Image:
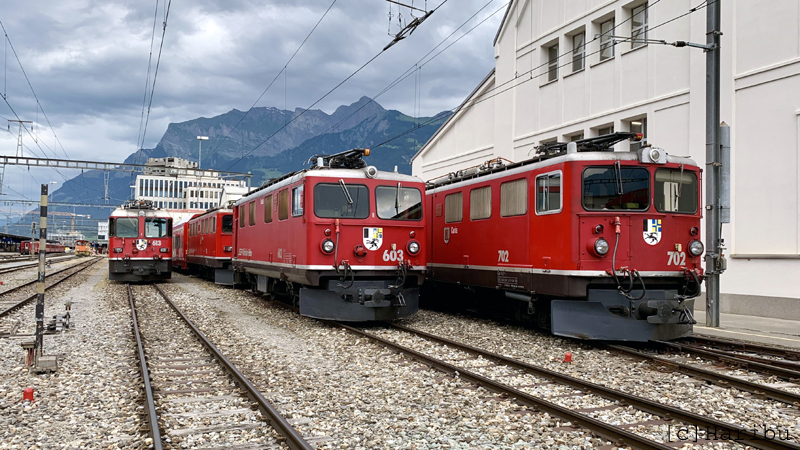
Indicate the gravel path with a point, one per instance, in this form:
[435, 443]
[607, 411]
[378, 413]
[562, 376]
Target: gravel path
[346, 392]
[93, 400]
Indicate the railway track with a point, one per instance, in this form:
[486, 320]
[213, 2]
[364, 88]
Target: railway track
[9, 304]
[545, 390]
[4, 270]
[194, 395]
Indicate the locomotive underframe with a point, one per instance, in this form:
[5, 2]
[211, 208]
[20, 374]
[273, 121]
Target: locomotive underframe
[367, 295]
[139, 270]
[586, 307]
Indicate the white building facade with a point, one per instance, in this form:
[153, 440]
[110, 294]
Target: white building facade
[168, 187]
[560, 75]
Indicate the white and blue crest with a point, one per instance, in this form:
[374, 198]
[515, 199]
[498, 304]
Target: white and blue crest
[652, 231]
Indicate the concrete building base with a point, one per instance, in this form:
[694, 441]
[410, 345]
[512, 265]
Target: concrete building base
[754, 305]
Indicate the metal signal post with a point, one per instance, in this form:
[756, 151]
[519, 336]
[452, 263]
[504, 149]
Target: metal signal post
[39, 347]
[714, 259]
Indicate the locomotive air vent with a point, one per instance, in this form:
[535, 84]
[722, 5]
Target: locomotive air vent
[371, 171]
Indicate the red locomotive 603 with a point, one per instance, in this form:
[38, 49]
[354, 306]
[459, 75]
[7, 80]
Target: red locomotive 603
[139, 243]
[587, 242]
[349, 239]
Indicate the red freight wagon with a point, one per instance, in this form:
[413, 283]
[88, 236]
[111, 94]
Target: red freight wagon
[347, 239]
[585, 241]
[139, 243]
[210, 245]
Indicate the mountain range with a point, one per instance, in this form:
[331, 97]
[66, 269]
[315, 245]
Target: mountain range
[268, 142]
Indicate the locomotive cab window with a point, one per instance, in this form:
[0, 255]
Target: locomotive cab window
[616, 188]
[227, 224]
[548, 193]
[398, 202]
[676, 191]
[453, 207]
[297, 201]
[341, 200]
[157, 227]
[480, 203]
[514, 198]
[126, 227]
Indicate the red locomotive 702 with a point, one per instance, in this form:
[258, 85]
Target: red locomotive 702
[587, 242]
[139, 243]
[349, 239]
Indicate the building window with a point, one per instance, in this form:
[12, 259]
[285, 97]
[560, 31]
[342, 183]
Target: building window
[552, 63]
[480, 203]
[514, 198]
[605, 130]
[639, 26]
[548, 193]
[639, 126]
[453, 207]
[578, 51]
[297, 201]
[576, 137]
[268, 209]
[606, 40]
[283, 204]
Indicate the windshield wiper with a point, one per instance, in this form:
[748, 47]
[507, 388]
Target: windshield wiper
[397, 200]
[346, 194]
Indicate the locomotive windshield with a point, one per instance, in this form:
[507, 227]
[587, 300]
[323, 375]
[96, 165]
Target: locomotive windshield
[125, 227]
[156, 227]
[676, 191]
[398, 202]
[227, 223]
[332, 201]
[616, 187]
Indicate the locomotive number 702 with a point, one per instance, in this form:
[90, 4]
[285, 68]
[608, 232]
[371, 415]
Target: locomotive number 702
[676, 258]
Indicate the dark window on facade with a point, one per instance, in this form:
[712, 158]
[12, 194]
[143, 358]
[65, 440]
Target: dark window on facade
[616, 187]
[398, 202]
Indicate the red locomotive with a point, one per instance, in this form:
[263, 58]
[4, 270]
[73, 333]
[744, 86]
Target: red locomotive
[345, 239]
[180, 246]
[25, 248]
[587, 242]
[139, 242]
[209, 250]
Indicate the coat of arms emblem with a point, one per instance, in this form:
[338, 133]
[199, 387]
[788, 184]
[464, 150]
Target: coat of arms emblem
[373, 238]
[652, 231]
[141, 244]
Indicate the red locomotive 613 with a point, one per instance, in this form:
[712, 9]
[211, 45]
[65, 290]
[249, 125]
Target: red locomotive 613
[349, 239]
[587, 242]
[139, 242]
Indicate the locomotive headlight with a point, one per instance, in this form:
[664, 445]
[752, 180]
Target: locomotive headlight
[328, 246]
[413, 247]
[117, 249]
[227, 248]
[696, 248]
[164, 250]
[601, 246]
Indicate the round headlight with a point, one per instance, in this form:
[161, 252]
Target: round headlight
[696, 248]
[328, 246]
[601, 246]
[413, 247]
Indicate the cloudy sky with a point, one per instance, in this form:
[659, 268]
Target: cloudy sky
[87, 61]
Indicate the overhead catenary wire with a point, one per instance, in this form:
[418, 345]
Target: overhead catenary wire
[283, 70]
[146, 85]
[494, 91]
[155, 74]
[411, 70]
